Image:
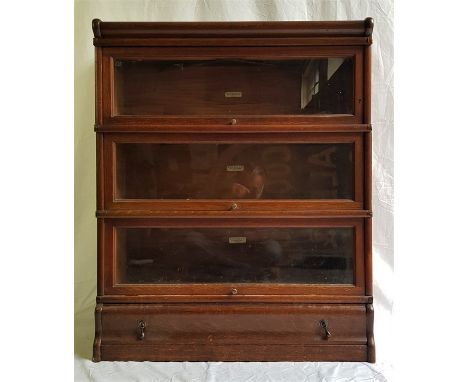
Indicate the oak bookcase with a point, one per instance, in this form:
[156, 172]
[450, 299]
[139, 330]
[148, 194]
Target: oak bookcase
[234, 191]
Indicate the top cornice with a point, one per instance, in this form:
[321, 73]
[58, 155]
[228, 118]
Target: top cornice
[109, 33]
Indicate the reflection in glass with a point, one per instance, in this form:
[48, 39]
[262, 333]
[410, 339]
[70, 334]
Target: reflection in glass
[240, 171]
[223, 255]
[234, 87]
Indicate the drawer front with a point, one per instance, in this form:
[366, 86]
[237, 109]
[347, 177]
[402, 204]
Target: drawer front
[222, 324]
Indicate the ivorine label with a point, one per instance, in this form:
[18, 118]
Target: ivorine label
[237, 240]
[233, 94]
[236, 167]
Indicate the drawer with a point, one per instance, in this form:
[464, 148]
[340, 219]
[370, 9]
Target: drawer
[226, 324]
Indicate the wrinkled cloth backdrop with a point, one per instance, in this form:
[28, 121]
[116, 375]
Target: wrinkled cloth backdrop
[85, 222]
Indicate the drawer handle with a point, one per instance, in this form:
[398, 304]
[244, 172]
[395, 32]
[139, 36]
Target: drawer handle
[233, 121]
[233, 207]
[326, 332]
[141, 329]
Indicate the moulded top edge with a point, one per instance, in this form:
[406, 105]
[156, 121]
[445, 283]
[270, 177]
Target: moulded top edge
[254, 29]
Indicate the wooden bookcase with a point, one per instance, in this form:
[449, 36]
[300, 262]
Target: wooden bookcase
[234, 191]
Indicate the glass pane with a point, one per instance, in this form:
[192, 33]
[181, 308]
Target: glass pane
[234, 87]
[225, 255]
[235, 171]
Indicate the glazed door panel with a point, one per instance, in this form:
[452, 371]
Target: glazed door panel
[171, 86]
[234, 87]
[252, 171]
[239, 171]
[250, 256]
[235, 255]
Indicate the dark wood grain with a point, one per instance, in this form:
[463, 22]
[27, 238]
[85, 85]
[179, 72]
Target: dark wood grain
[100, 166]
[228, 128]
[368, 255]
[214, 327]
[96, 24]
[101, 235]
[367, 179]
[368, 120]
[273, 321]
[242, 29]
[318, 211]
[370, 333]
[369, 26]
[233, 42]
[235, 353]
[218, 324]
[200, 123]
[98, 85]
[254, 299]
[97, 333]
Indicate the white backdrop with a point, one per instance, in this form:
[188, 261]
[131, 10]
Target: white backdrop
[85, 222]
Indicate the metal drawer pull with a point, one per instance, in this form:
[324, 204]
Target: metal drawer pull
[324, 325]
[233, 207]
[141, 329]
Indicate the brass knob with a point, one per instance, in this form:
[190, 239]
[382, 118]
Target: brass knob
[233, 121]
[326, 332]
[234, 206]
[233, 291]
[141, 329]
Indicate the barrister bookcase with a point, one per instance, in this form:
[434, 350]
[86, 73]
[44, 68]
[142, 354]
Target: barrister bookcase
[234, 191]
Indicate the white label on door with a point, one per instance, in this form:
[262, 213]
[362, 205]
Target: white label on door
[237, 240]
[236, 167]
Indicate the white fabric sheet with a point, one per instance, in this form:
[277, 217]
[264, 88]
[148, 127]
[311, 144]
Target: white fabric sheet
[85, 224]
